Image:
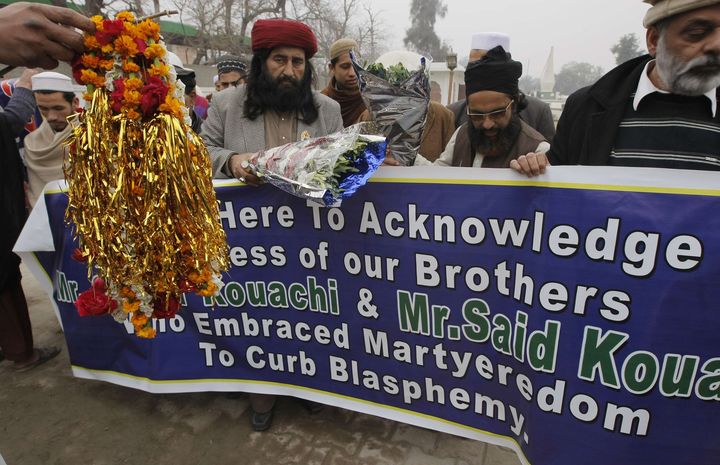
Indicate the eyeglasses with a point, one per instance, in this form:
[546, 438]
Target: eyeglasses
[493, 115]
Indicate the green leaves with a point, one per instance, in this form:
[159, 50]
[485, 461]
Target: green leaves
[394, 74]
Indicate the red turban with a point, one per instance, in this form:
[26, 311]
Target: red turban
[271, 33]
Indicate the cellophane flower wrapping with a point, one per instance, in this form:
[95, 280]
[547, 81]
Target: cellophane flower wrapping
[140, 193]
[399, 109]
[325, 169]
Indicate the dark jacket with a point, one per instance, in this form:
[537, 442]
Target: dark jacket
[12, 193]
[527, 141]
[537, 114]
[589, 122]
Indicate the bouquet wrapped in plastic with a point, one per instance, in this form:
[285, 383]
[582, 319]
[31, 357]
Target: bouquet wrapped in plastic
[398, 103]
[325, 169]
[140, 192]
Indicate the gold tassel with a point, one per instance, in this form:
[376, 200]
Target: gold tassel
[143, 206]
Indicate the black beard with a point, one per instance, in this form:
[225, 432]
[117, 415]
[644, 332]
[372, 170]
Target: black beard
[501, 145]
[282, 95]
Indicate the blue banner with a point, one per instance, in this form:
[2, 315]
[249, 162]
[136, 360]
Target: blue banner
[572, 321]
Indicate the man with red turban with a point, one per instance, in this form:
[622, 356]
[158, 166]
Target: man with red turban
[276, 106]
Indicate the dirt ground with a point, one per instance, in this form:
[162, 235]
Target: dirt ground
[48, 417]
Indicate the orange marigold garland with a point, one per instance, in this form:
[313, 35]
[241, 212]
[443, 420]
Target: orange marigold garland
[140, 181]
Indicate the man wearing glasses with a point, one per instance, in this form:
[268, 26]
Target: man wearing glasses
[494, 134]
[536, 113]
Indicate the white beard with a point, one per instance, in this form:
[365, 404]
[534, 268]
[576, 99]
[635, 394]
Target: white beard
[682, 77]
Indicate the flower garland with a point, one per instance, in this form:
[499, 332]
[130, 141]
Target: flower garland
[139, 181]
[127, 58]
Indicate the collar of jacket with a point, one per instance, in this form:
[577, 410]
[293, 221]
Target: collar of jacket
[619, 83]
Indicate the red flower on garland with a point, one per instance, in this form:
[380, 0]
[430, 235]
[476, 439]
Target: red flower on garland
[79, 256]
[186, 285]
[110, 31]
[165, 307]
[77, 67]
[95, 301]
[154, 93]
[141, 45]
[117, 95]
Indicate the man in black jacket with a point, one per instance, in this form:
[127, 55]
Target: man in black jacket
[658, 110]
[35, 35]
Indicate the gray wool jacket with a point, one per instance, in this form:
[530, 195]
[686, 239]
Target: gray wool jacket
[227, 131]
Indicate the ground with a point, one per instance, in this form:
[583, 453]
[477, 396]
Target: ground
[51, 418]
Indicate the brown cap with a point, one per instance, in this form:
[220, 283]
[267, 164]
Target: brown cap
[662, 9]
[343, 45]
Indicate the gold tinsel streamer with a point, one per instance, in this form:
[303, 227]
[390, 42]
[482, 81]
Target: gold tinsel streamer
[141, 200]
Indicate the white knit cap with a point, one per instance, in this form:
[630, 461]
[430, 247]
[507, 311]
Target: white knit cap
[490, 40]
[52, 81]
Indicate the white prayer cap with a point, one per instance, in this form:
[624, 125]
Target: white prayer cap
[490, 40]
[175, 60]
[50, 80]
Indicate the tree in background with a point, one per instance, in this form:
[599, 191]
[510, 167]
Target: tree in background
[223, 26]
[421, 36]
[529, 84]
[331, 20]
[574, 75]
[626, 48]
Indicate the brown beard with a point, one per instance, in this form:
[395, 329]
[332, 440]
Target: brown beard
[498, 147]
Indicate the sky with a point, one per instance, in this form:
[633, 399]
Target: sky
[579, 30]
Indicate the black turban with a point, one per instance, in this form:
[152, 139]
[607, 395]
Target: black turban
[495, 71]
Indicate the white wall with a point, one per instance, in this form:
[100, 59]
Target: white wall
[441, 74]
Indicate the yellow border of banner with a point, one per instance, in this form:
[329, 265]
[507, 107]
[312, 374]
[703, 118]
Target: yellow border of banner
[523, 183]
[557, 185]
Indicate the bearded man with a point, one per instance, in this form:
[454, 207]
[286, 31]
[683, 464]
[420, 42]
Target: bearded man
[495, 134]
[343, 86]
[275, 107]
[653, 111]
[534, 111]
[44, 147]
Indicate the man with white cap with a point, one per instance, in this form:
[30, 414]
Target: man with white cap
[533, 111]
[652, 111]
[44, 149]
